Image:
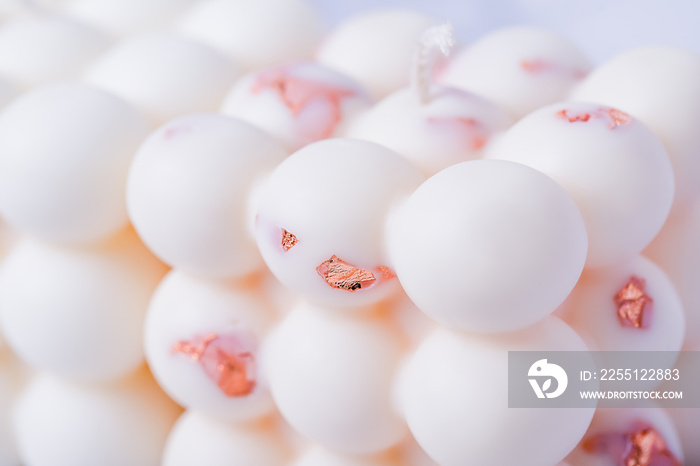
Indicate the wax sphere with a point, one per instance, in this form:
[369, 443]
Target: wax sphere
[661, 87]
[298, 103]
[630, 306]
[519, 68]
[616, 170]
[375, 48]
[60, 423]
[164, 75]
[686, 420]
[256, 33]
[455, 394]
[197, 217]
[202, 340]
[65, 151]
[677, 251]
[331, 376]
[487, 246]
[8, 91]
[320, 219]
[453, 126]
[200, 440]
[91, 305]
[121, 17]
[11, 384]
[37, 49]
[616, 434]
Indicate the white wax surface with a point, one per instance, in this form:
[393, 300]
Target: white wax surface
[65, 151]
[78, 312]
[164, 74]
[59, 423]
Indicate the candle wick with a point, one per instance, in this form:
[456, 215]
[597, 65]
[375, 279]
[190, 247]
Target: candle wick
[435, 41]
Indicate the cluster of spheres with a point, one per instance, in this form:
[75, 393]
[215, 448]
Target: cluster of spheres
[231, 236]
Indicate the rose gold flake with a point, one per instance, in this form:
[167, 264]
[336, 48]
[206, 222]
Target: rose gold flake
[339, 274]
[297, 92]
[572, 118]
[475, 129]
[288, 240]
[535, 66]
[616, 117]
[224, 359]
[538, 66]
[631, 302]
[641, 447]
[386, 272]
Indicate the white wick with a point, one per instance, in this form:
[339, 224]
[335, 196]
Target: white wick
[434, 41]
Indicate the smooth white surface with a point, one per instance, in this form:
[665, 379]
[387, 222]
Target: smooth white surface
[331, 376]
[661, 87]
[198, 440]
[452, 127]
[455, 394]
[375, 47]
[11, 384]
[59, 423]
[268, 99]
[316, 456]
[38, 49]
[78, 312]
[256, 33]
[591, 309]
[334, 196]
[620, 178]
[65, 151]
[164, 75]
[487, 246]
[189, 188]
[121, 17]
[677, 251]
[519, 68]
[627, 420]
[186, 309]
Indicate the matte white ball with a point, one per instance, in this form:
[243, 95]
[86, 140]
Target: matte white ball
[37, 49]
[59, 423]
[202, 344]
[121, 17]
[316, 456]
[78, 312]
[455, 394]
[615, 427]
[452, 127]
[616, 170]
[298, 103]
[256, 33]
[189, 189]
[164, 75]
[331, 377]
[487, 246]
[65, 151]
[376, 48]
[198, 440]
[519, 68]
[631, 306]
[321, 216]
[661, 87]
[677, 251]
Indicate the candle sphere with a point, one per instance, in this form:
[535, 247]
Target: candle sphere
[65, 151]
[487, 246]
[198, 216]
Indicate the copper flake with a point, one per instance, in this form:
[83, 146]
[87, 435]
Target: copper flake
[339, 274]
[288, 240]
[224, 360]
[631, 302]
[572, 118]
[642, 447]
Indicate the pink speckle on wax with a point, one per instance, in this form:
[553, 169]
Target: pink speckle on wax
[175, 130]
[226, 359]
[478, 134]
[614, 117]
[297, 92]
[536, 66]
